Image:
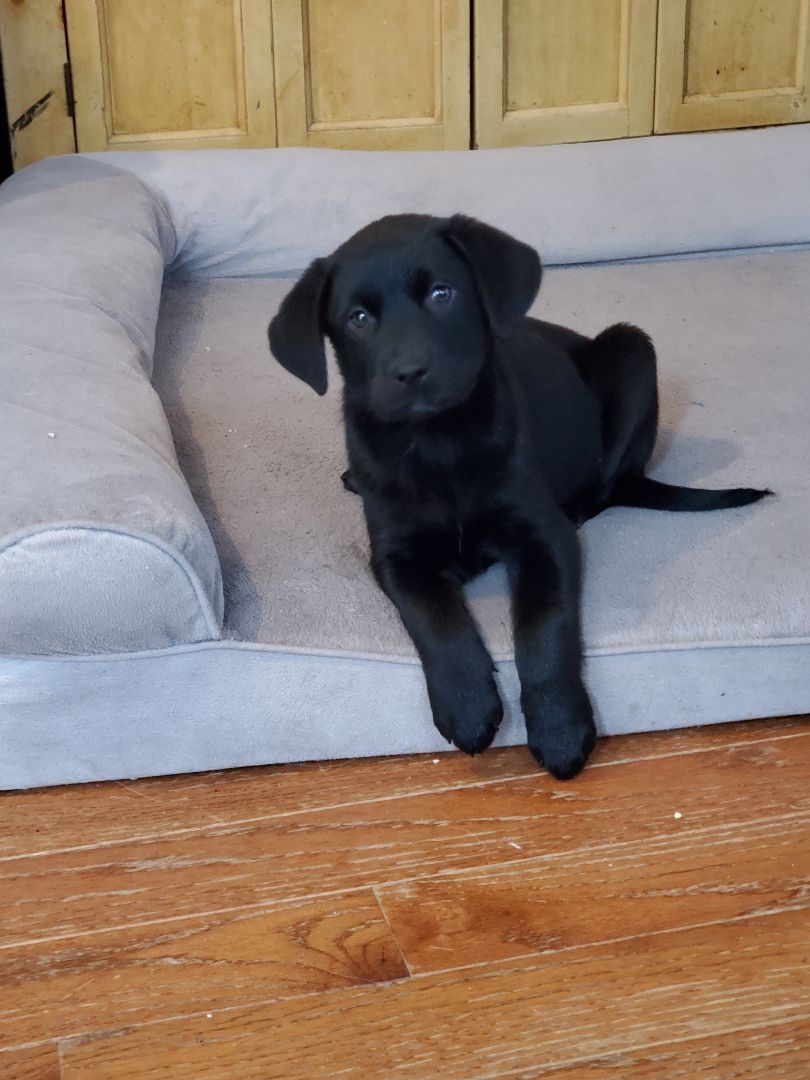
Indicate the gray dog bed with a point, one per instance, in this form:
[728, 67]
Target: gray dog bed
[166, 610]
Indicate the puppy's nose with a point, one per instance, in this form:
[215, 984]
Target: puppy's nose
[410, 374]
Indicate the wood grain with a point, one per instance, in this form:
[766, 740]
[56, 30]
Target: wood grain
[324, 852]
[778, 1051]
[138, 974]
[495, 1020]
[649, 887]
[53, 819]
[31, 1063]
[228, 925]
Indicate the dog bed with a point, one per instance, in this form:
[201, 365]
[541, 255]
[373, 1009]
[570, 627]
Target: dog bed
[183, 579]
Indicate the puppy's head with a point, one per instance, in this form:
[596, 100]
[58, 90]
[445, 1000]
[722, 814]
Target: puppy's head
[411, 305]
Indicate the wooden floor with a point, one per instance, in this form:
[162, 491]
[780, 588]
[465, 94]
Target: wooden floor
[422, 917]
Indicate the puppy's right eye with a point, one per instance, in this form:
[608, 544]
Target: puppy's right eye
[359, 318]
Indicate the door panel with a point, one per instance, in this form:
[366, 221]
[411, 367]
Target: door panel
[190, 73]
[372, 73]
[549, 71]
[731, 63]
[200, 89]
[350, 79]
[539, 74]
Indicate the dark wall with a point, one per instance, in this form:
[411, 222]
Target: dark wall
[5, 148]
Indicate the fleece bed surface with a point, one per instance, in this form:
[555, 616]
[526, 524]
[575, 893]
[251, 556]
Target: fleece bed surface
[263, 456]
[688, 619]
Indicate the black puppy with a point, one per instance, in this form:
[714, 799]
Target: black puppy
[475, 435]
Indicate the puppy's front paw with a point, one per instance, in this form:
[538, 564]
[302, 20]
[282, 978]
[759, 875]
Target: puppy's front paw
[467, 713]
[560, 726]
[348, 482]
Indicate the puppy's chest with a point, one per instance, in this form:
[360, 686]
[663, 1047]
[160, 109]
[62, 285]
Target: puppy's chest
[446, 479]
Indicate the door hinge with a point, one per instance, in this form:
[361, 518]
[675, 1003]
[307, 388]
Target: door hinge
[71, 101]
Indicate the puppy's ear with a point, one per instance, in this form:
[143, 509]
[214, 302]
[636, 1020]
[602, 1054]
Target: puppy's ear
[506, 271]
[296, 333]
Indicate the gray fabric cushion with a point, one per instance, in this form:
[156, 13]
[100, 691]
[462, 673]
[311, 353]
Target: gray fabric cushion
[263, 212]
[102, 547]
[216, 706]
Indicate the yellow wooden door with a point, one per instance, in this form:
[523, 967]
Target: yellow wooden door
[32, 39]
[732, 63]
[552, 71]
[373, 74]
[164, 74]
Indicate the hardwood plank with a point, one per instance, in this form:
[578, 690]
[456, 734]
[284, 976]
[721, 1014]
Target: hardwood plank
[495, 1020]
[324, 852]
[779, 1051]
[204, 964]
[52, 819]
[653, 886]
[31, 1063]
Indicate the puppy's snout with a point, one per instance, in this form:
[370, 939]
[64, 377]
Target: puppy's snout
[410, 374]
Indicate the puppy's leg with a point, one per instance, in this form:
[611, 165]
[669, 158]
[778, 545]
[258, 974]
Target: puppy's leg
[619, 366]
[543, 565]
[459, 672]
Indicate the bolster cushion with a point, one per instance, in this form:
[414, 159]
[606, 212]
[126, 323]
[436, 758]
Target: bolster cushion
[269, 212]
[102, 547]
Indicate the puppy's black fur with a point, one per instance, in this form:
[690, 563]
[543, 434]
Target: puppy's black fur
[474, 435]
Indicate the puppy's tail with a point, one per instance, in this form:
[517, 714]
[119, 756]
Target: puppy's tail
[642, 492]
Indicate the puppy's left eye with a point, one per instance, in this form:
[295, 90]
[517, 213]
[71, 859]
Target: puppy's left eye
[359, 318]
[440, 294]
